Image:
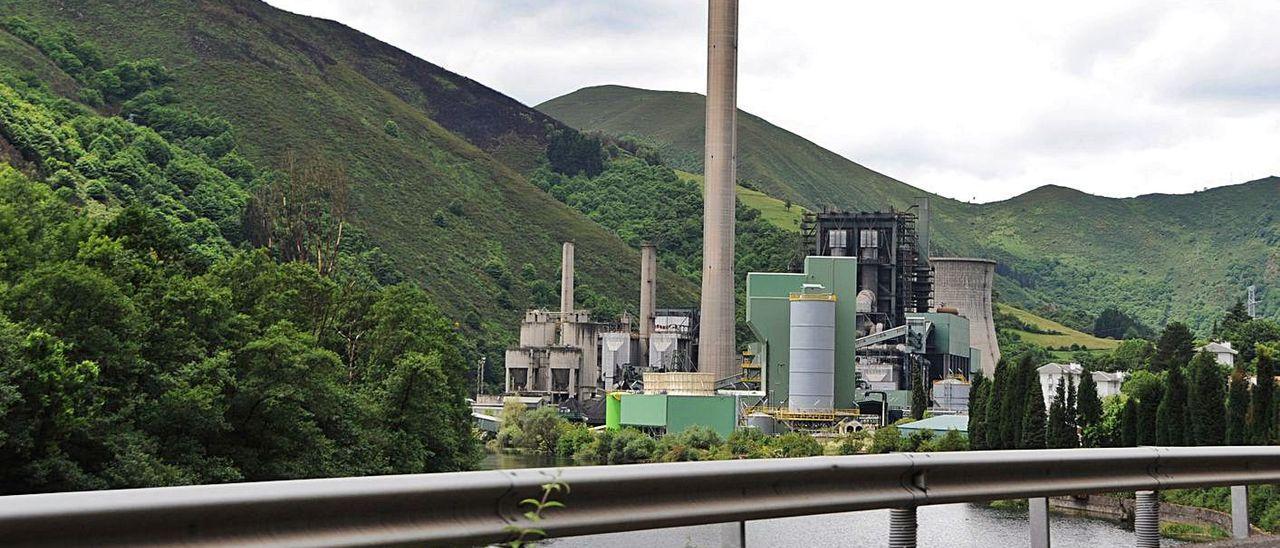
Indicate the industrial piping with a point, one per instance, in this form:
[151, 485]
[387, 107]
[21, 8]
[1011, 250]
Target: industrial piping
[717, 349]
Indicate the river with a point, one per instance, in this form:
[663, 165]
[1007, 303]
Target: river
[948, 525]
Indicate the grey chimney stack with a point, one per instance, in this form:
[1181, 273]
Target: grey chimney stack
[566, 278]
[648, 295]
[717, 350]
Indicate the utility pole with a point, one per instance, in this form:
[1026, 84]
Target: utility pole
[480, 376]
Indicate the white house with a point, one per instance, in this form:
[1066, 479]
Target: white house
[1221, 351]
[1051, 373]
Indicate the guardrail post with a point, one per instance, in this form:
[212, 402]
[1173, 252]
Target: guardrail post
[902, 527]
[1039, 516]
[734, 534]
[1146, 519]
[1239, 511]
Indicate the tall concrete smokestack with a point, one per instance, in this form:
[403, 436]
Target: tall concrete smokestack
[716, 347]
[566, 278]
[648, 294]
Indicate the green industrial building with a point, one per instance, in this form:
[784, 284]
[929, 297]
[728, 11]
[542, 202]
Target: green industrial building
[671, 412]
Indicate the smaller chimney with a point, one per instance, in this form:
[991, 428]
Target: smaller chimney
[566, 278]
[648, 294]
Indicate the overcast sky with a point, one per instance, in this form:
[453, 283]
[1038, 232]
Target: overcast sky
[974, 100]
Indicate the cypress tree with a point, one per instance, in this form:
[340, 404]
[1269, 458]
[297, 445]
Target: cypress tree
[1148, 407]
[1057, 417]
[919, 400]
[1175, 347]
[1088, 406]
[1262, 411]
[1032, 429]
[1171, 424]
[1206, 400]
[1237, 408]
[994, 407]
[1012, 404]
[977, 415]
[1024, 376]
[1071, 434]
[1129, 424]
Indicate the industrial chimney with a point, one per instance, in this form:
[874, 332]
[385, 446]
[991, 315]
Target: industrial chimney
[716, 347]
[566, 279]
[648, 294]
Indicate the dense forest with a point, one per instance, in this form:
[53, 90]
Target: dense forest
[171, 313]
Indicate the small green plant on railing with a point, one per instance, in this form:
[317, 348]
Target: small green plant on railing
[527, 536]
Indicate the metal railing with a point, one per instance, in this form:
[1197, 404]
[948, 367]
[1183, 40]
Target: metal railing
[473, 508]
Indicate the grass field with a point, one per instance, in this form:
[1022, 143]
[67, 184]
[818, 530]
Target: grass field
[1067, 335]
[771, 209]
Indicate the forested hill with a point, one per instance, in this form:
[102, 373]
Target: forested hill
[1064, 254]
[437, 162]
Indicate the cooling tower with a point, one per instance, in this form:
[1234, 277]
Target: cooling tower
[717, 351]
[966, 284]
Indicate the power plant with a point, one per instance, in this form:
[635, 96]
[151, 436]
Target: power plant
[837, 343]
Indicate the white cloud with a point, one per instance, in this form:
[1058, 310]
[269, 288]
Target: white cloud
[971, 100]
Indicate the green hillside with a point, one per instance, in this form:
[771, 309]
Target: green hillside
[437, 162]
[771, 209]
[1063, 254]
[1051, 334]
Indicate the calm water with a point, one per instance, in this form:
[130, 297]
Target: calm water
[950, 526]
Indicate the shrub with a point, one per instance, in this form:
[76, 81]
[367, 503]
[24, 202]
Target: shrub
[886, 440]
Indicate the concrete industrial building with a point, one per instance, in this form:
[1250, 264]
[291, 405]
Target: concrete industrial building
[966, 284]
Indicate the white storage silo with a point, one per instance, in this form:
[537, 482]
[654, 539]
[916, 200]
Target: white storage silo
[812, 366]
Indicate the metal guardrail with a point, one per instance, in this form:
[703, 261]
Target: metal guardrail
[472, 508]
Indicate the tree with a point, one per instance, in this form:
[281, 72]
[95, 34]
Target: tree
[1033, 417]
[1089, 407]
[993, 408]
[1249, 334]
[979, 393]
[1113, 323]
[1262, 408]
[1237, 408]
[1129, 424]
[1071, 434]
[1207, 396]
[1146, 389]
[1171, 425]
[1236, 316]
[919, 399]
[1057, 418]
[1133, 354]
[1175, 347]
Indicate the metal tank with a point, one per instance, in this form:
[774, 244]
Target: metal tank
[812, 368]
[965, 284]
[763, 422]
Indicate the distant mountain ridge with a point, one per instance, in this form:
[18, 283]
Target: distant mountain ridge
[1063, 253]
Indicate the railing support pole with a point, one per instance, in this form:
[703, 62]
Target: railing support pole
[902, 527]
[1146, 519]
[1039, 516]
[1239, 511]
[734, 534]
